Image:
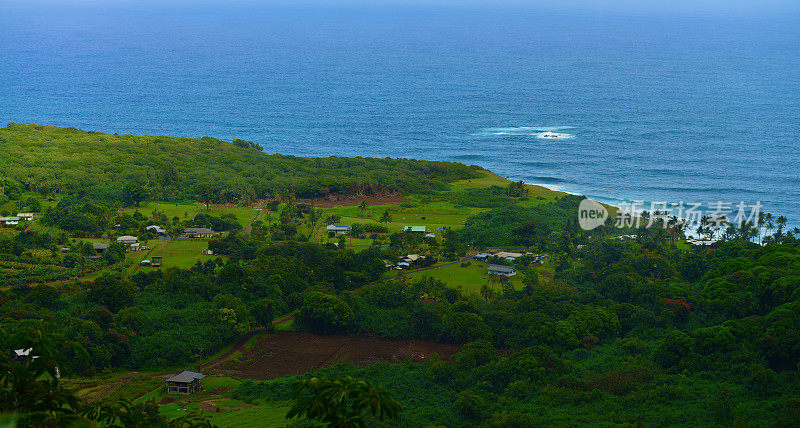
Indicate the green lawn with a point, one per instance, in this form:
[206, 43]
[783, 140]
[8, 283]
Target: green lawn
[431, 214]
[470, 278]
[187, 210]
[181, 253]
[262, 415]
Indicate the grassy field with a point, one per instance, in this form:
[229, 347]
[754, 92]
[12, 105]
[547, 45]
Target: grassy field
[263, 415]
[470, 278]
[187, 211]
[432, 214]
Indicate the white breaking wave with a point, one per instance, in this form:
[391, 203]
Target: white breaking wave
[543, 132]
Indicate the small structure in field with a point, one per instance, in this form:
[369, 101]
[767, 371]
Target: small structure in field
[198, 232]
[25, 216]
[9, 221]
[208, 252]
[415, 229]
[502, 270]
[156, 229]
[185, 382]
[156, 262]
[100, 247]
[127, 239]
[339, 230]
[508, 255]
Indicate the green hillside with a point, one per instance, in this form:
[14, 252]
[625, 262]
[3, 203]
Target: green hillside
[49, 159]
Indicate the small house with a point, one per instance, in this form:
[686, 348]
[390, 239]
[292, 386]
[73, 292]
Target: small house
[482, 256]
[25, 216]
[156, 229]
[145, 262]
[339, 230]
[415, 229]
[100, 247]
[127, 239]
[156, 261]
[208, 252]
[508, 255]
[502, 270]
[9, 221]
[185, 382]
[22, 354]
[198, 232]
[430, 235]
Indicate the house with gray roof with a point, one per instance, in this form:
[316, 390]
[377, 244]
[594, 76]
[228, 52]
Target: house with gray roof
[185, 382]
[100, 247]
[198, 232]
[339, 230]
[502, 270]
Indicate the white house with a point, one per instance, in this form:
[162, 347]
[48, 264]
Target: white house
[339, 230]
[415, 229]
[127, 239]
[502, 270]
[10, 221]
[156, 229]
[25, 216]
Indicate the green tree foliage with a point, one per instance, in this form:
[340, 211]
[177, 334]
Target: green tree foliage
[342, 402]
[204, 169]
[323, 313]
[261, 311]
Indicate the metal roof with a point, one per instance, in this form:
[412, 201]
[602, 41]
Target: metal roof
[184, 377]
[502, 268]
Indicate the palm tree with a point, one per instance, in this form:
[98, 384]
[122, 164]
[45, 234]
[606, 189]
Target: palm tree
[342, 402]
[768, 221]
[486, 292]
[781, 222]
[386, 218]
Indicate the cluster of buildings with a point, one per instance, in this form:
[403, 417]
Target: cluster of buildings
[344, 230]
[405, 262]
[14, 220]
[505, 270]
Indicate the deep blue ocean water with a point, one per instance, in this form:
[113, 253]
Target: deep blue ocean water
[658, 108]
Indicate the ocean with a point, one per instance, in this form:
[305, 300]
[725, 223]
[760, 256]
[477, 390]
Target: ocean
[642, 107]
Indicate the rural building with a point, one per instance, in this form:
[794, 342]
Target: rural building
[198, 232]
[339, 230]
[25, 216]
[185, 382]
[430, 235]
[413, 257]
[127, 239]
[415, 229]
[156, 262]
[482, 256]
[156, 229]
[208, 252]
[502, 270]
[22, 354]
[100, 247]
[508, 255]
[9, 221]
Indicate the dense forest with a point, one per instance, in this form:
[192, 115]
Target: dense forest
[132, 168]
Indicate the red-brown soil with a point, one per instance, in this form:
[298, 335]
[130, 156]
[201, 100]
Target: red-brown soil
[292, 353]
